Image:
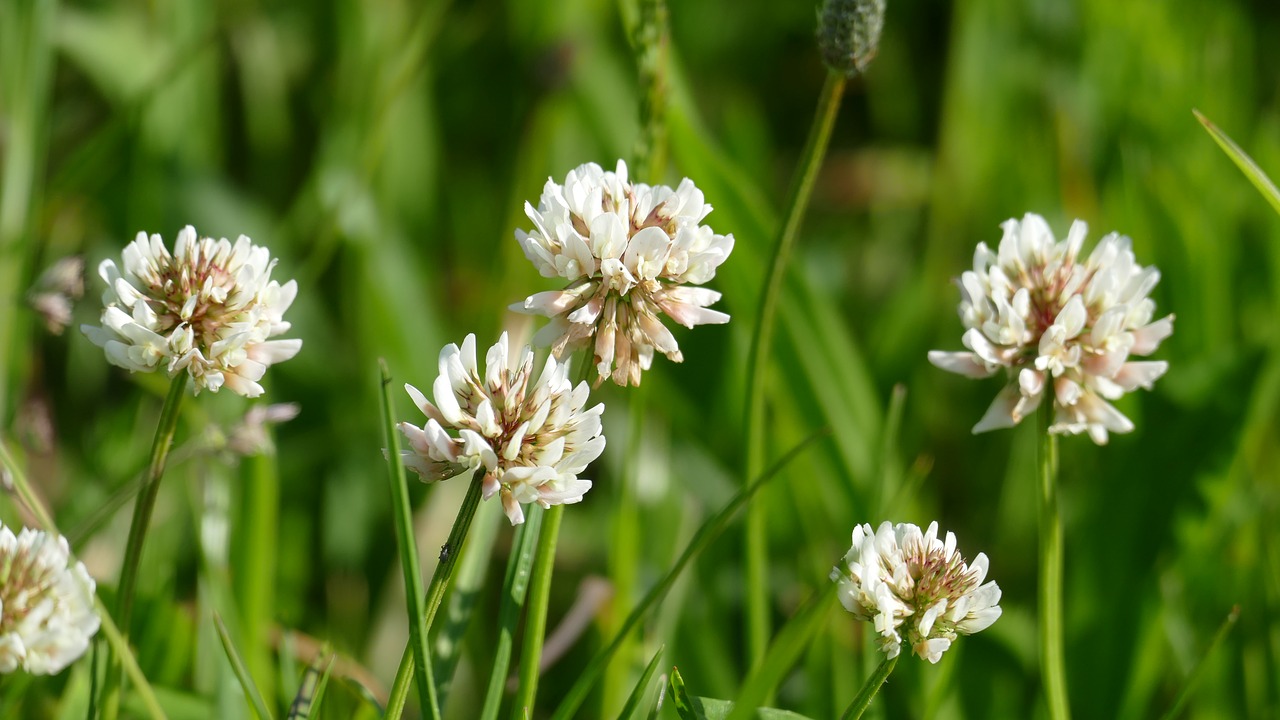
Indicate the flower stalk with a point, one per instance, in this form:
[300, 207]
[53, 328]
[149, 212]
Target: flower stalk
[797, 202]
[142, 510]
[434, 596]
[535, 621]
[1052, 667]
[869, 689]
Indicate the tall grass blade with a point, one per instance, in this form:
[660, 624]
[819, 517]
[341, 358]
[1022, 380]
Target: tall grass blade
[250, 688]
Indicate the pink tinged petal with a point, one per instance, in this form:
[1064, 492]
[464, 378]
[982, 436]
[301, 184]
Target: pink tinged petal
[590, 312]
[1107, 364]
[1000, 413]
[238, 385]
[488, 486]
[571, 493]
[1146, 339]
[660, 336]
[932, 649]
[691, 316]
[1108, 324]
[511, 508]
[962, 363]
[1066, 392]
[1136, 375]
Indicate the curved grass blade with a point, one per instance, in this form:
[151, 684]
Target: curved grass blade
[515, 585]
[1242, 161]
[783, 653]
[1190, 685]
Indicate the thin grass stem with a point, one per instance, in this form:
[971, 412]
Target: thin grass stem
[757, 562]
[515, 586]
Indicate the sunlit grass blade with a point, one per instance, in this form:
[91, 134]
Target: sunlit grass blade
[254, 570]
[792, 640]
[1242, 161]
[415, 600]
[1189, 686]
[250, 688]
[709, 531]
[638, 694]
[535, 618]
[515, 585]
[680, 696]
[869, 689]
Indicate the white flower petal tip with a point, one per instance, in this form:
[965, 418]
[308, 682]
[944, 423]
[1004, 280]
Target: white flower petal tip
[209, 309]
[631, 253]
[1050, 319]
[531, 434]
[915, 588]
[47, 614]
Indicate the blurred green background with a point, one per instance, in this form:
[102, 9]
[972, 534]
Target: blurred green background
[383, 150]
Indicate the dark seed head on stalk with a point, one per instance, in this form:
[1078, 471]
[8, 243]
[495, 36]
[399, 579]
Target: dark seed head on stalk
[849, 34]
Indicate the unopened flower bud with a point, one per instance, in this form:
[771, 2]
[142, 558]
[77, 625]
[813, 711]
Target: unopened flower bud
[849, 34]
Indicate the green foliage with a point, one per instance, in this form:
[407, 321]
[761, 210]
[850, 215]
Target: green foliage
[383, 151]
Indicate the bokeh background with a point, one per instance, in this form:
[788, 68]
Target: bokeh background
[383, 151]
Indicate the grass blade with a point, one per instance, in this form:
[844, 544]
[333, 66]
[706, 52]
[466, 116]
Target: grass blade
[790, 643]
[447, 643]
[242, 673]
[307, 701]
[709, 531]
[414, 597]
[637, 695]
[535, 620]
[1190, 685]
[515, 586]
[1242, 161]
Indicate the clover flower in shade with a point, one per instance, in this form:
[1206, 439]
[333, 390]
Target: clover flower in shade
[631, 253]
[46, 603]
[915, 588]
[1049, 320]
[210, 309]
[531, 435]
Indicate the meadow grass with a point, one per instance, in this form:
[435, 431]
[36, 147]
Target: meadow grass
[384, 150]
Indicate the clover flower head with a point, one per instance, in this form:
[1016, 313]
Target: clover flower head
[630, 252]
[209, 309]
[1049, 320]
[532, 436]
[915, 588]
[46, 603]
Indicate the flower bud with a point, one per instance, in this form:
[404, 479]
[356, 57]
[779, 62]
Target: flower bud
[849, 34]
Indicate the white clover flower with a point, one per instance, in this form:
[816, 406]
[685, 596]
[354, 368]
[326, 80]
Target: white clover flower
[46, 603]
[531, 438]
[916, 587]
[1033, 309]
[210, 309]
[630, 253]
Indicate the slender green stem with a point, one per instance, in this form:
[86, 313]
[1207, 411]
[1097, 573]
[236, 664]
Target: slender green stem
[435, 594]
[650, 42]
[757, 568]
[402, 510]
[108, 628]
[869, 689]
[535, 621]
[142, 510]
[709, 531]
[515, 585]
[255, 569]
[624, 548]
[1052, 667]
[1193, 680]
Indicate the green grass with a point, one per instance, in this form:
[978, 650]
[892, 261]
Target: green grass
[383, 151]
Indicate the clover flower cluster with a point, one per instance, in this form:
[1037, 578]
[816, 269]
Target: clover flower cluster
[630, 252]
[1034, 310]
[46, 603]
[209, 309]
[532, 436]
[915, 588]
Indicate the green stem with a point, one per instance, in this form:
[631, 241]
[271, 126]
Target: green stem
[117, 641]
[142, 510]
[709, 531]
[255, 588]
[1050, 624]
[515, 586]
[435, 594]
[650, 42]
[757, 563]
[535, 621]
[402, 510]
[869, 689]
